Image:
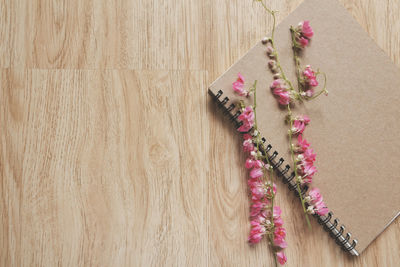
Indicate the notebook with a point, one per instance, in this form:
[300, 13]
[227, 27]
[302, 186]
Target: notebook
[354, 130]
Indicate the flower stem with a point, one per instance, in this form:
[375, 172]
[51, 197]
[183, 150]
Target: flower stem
[273, 17]
[278, 64]
[295, 167]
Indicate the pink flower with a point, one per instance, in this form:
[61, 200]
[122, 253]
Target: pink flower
[298, 127]
[247, 136]
[281, 257]
[257, 207]
[249, 163]
[309, 155]
[306, 29]
[247, 114]
[306, 165]
[306, 180]
[258, 164]
[303, 118]
[280, 232]
[284, 97]
[302, 144]
[280, 89]
[246, 126]
[277, 212]
[303, 41]
[256, 173]
[317, 205]
[308, 170]
[305, 161]
[320, 208]
[238, 86]
[280, 242]
[256, 233]
[278, 221]
[309, 92]
[310, 77]
[314, 195]
[255, 236]
[299, 124]
[259, 218]
[279, 83]
[247, 118]
[248, 145]
[257, 190]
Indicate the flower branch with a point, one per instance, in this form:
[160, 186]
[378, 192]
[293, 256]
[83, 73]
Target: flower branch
[283, 89]
[294, 160]
[265, 216]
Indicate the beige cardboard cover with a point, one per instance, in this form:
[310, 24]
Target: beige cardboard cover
[354, 130]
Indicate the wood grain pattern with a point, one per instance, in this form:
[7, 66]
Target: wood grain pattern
[111, 152]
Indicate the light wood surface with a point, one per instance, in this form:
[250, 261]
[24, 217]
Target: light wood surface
[111, 152]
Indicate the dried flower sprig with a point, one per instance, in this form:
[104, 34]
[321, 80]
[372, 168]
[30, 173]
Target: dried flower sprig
[265, 216]
[282, 88]
[307, 77]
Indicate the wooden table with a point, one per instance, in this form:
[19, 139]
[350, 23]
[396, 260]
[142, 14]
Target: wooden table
[111, 152]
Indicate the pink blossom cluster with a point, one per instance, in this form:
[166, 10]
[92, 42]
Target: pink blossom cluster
[309, 76]
[238, 86]
[316, 203]
[304, 33]
[262, 221]
[305, 165]
[299, 124]
[281, 90]
[247, 119]
[310, 81]
[306, 156]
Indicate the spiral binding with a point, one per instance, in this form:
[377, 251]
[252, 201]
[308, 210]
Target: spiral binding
[331, 226]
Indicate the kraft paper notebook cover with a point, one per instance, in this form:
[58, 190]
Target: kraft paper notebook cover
[354, 130]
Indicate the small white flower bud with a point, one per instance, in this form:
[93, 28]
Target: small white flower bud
[255, 133]
[265, 40]
[307, 199]
[277, 76]
[272, 63]
[310, 210]
[271, 168]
